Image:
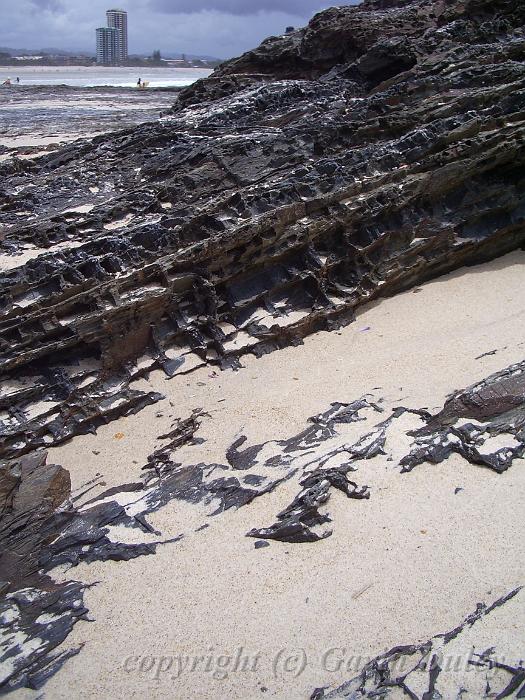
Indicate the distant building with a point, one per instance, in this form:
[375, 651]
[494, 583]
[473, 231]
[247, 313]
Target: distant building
[112, 41]
[174, 62]
[108, 45]
[118, 19]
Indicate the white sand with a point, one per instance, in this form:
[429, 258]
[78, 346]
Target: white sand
[38, 140]
[30, 252]
[407, 564]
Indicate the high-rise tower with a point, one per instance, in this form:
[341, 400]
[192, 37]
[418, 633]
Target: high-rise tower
[118, 19]
[108, 45]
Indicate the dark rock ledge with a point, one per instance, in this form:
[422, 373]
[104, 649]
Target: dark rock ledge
[378, 147]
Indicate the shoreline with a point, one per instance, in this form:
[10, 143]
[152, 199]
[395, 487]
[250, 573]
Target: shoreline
[80, 88]
[263, 401]
[101, 76]
[41, 118]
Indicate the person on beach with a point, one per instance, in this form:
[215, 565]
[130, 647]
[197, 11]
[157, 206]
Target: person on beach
[18, 80]
[139, 82]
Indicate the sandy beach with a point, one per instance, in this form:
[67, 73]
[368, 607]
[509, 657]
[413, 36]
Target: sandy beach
[56, 105]
[262, 376]
[409, 563]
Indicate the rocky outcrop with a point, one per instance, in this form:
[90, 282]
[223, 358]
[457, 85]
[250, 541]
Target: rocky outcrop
[378, 147]
[369, 44]
[485, 424]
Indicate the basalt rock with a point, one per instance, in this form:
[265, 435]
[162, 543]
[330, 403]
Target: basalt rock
[378, 147]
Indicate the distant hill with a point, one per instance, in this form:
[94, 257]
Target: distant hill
[43, 52]
[52, 51]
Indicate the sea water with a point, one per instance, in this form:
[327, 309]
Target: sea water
[95, 76]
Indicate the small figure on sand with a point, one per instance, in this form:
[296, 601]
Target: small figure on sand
[139, 82]
[18, 80]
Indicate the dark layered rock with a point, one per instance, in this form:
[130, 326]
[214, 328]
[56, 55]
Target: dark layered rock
[41, 528]
[472, 420]
[378, 147]
[370, 43]
[31, 492]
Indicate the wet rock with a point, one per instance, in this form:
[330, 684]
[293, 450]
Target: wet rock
[378, 147]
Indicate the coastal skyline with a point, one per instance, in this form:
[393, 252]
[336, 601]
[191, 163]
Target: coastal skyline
[221, 28]
[112, 40]
[262, 394]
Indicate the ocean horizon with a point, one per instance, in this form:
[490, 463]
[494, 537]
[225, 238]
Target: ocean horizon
[102, 76]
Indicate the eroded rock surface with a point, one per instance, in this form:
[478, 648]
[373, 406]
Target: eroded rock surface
[44, 526]
[378, 147]
[485, 424]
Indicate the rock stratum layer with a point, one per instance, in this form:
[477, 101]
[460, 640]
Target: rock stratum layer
[379, 147]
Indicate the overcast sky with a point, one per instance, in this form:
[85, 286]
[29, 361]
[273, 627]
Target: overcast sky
[221, 28]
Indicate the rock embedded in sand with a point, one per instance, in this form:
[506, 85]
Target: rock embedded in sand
[43, 526]
[378, 147]
[431, 670]
[485, 424]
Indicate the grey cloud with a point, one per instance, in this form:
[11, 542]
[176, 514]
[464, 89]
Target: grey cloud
[300, 8]
[222, 28]
[51, 5]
